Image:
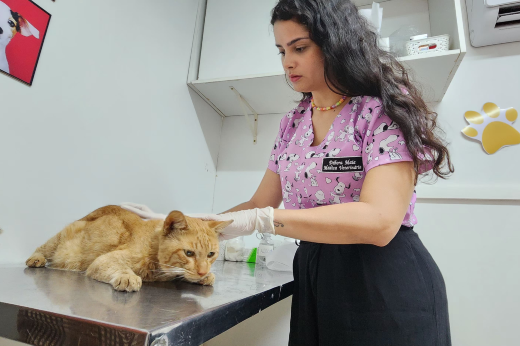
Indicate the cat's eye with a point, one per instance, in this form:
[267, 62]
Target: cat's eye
[11, 24]
[189, 253]
[211, 254]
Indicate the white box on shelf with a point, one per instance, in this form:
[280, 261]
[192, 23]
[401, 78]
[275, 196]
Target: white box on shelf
[439, 43]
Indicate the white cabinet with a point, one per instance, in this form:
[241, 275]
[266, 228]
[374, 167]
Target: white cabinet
[238, 51]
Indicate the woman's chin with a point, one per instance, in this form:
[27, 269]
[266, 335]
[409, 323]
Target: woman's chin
[300, 88]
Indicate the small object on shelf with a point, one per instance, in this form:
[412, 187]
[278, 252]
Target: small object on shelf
[439, 43]
[384, 43]
[418, 37]
[374, 16]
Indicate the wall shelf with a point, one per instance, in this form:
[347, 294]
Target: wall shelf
[270, 93]
[215, 59]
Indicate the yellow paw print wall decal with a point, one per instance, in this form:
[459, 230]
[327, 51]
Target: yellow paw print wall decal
[492, 127]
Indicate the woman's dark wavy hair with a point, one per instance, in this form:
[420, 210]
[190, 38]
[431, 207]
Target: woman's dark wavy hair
[355, 66]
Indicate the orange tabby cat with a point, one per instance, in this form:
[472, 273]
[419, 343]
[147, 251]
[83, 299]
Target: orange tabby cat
[116, 246]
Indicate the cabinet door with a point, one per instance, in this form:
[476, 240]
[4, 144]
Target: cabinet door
[238, 40]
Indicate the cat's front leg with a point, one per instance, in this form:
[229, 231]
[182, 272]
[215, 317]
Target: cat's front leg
[208, 280]
[126, 282]
[112, 268]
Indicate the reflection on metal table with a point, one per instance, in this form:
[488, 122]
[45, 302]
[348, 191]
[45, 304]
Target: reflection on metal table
[43, 306]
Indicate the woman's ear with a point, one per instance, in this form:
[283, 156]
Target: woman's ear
[218, 226]
[175, 222]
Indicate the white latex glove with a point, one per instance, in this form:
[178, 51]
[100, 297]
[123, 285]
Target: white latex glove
[245, 222]
[143, 211]
[147, 214]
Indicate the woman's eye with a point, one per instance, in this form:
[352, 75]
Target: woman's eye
[11, 24]
[211, 254]
[189, 253]
[299, 49]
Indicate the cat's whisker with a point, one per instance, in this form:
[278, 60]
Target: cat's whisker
[167, 265]
[169, 276]
[168, 270]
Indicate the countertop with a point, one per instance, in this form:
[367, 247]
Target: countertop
[43, 306]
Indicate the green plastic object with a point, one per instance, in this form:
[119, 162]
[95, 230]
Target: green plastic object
[252, 256]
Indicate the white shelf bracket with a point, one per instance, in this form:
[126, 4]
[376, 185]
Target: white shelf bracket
[253, 125]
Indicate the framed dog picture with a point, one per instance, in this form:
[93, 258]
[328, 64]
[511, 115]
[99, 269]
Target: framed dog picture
[23, 26]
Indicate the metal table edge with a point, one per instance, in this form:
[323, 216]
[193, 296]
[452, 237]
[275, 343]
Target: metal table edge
[204, 326]
[48, 327]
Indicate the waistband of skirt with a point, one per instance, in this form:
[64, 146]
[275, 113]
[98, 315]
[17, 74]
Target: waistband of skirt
[403, 228]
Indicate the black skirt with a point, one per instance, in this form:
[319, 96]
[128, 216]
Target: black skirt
[365, 295]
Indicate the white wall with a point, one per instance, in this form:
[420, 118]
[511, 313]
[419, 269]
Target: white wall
[109, 119]
[109, 116]
[474, 242]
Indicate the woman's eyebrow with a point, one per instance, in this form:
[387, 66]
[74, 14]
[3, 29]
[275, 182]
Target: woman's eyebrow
[293, 41]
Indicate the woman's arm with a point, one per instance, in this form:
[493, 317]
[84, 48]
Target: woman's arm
[268, 193]
[385, 197]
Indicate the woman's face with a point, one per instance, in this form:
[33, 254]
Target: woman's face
[300, 56]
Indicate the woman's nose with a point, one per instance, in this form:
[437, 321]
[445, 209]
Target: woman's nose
[288, 64]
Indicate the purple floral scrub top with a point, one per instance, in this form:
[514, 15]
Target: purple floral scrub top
[361, 137]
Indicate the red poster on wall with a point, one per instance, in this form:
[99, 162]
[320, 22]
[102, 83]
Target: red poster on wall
[23, 26]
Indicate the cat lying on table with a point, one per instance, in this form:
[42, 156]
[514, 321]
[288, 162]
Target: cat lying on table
[116, 246]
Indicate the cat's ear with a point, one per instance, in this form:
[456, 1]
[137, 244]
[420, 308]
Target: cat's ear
[219, 225]
[175, 221]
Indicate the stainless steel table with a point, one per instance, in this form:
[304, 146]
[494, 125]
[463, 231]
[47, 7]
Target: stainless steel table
[42, 306]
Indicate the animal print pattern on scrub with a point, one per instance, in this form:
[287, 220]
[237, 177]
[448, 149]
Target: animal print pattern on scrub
[361, 137]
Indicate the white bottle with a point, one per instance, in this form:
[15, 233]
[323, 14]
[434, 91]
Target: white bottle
[266, 245]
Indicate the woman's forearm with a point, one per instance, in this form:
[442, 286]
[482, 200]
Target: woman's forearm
[347, 223]
[243, 206]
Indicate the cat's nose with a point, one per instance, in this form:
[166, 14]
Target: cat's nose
[1, 31]
[202, 273]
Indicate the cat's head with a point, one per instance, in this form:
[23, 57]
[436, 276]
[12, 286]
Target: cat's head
[190, 244]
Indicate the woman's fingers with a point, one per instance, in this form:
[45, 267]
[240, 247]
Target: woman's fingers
[142, 214]
[136, 206]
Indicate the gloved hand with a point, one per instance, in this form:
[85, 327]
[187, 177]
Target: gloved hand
[143, 211]
[245, 222]
[147, 214]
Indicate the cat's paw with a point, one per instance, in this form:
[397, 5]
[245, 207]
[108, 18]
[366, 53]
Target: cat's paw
[36, 260]
[127, 282]
[209, 280]
[493, 127]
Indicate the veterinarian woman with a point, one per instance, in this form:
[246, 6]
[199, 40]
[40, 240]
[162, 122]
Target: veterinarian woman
[345, 162]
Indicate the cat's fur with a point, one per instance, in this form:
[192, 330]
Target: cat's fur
[116, 246]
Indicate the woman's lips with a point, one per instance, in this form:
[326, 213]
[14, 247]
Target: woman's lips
[295, 78]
